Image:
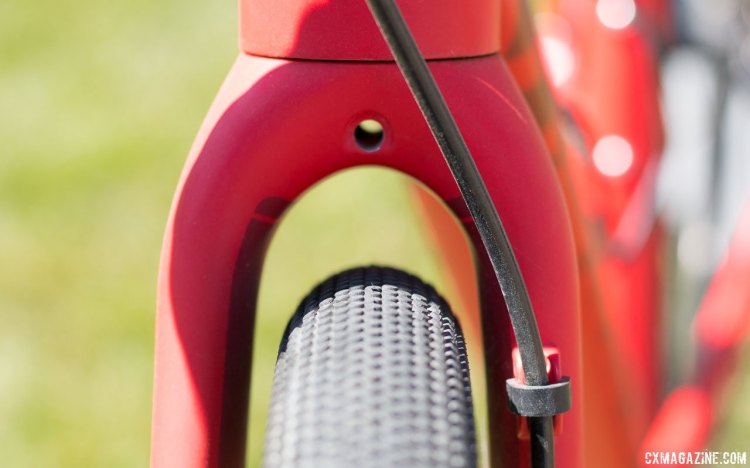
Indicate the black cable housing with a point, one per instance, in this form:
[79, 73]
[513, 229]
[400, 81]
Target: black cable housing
[453, 147]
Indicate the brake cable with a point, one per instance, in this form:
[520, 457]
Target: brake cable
[535, 399]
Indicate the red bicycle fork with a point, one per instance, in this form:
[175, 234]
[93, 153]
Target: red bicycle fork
[278, 127]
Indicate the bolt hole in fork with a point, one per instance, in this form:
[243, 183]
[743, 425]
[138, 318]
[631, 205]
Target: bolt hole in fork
[369, 135]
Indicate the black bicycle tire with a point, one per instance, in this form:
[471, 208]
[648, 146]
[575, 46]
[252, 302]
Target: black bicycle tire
[372, 371]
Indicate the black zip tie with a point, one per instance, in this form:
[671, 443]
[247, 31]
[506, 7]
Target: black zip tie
[538, 400]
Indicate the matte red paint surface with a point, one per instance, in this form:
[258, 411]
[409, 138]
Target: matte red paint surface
[723, 320]
[722, 324]
[614, 90]
[345, 30]
[276, 128]
[682, 423]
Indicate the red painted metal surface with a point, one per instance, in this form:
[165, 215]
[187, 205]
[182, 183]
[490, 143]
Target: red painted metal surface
[612, 94]
[457, 259]
[722, 325]
[682, 423]
[611, 90]
[345, 30]
[723, 320]
[276, 128]
[279, 126]
[607, 80]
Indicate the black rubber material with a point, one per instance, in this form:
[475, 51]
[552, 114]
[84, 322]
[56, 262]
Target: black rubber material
[372, 372]
[538, 401]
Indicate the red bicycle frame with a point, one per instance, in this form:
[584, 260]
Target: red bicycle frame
[606, 78]
[285, 119]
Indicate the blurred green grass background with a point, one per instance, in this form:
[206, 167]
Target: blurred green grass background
[99, 103]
